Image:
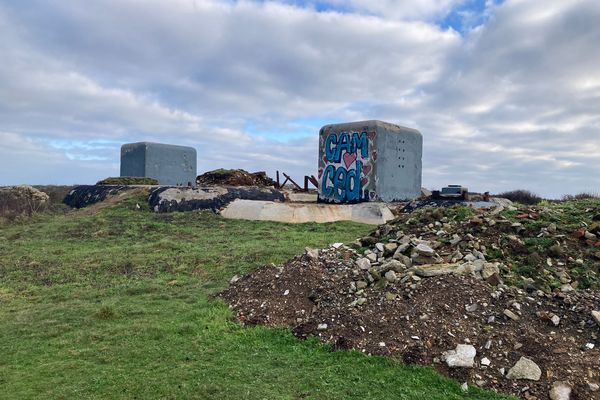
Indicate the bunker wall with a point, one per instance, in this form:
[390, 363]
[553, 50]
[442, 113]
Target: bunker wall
[169, 164]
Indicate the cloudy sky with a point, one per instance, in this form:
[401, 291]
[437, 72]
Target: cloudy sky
[505, 93]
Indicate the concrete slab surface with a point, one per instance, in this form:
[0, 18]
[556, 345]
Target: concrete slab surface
[366, 213]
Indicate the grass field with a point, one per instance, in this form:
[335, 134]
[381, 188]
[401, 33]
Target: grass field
[120, 304]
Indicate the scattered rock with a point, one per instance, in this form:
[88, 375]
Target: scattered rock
[313, 254]
[361, 285]
[424, 249]
[511, 315]
[363, 263]
[525, 369]
[429, 270]
[560, 391]
[390, 276]
[489, 269]
[390, 248]
[322, 327]
[596, 316]
[462, 357]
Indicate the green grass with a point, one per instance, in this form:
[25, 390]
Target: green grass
[121, 304]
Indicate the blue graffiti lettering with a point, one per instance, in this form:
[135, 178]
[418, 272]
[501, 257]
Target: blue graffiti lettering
[336, 145]
[344, 156]
[342, 184]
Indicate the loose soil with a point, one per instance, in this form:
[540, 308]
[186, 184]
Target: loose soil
[419, 325]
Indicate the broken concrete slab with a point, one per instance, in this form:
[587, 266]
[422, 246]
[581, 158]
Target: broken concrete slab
[169, 199]
[366, 213]
[86, 195]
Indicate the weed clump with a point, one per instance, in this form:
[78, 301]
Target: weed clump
[521, 196]
[580, 196]
[105, 313]
[128, 180]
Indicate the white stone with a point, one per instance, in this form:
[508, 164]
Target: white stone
[511, 315]
[390, 276]
[470, 257]
[489, 269]
[560, 391]
[312, 253]
[485, 362]
[596, 316]
[462, 357]
[425, 250]
[525, 369]
[363, 263]
[322, 327]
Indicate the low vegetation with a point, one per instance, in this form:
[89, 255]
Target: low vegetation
[120, 304]
[128, 180]
[521, 196]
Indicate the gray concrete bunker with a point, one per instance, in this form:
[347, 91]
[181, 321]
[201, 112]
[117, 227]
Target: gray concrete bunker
[369, 161]
[169, 164]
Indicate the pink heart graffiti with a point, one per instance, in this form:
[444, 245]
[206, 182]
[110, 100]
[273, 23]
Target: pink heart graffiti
[366, 169]
[349, 158]
[372, 135]
[364, 182]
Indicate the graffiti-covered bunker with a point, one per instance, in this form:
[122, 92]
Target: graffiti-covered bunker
[369, 161]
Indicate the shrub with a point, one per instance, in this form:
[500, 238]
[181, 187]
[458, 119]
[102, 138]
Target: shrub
[521, 196]
[128, 180]
[57, 193]
[580, 196]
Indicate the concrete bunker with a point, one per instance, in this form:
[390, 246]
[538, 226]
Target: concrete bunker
[369, 161]
[169, 164]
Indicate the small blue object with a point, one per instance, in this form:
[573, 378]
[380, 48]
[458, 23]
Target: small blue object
[169, 164]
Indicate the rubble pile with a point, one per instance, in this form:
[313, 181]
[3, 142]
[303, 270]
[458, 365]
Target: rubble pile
[450, 288]
[234, 177]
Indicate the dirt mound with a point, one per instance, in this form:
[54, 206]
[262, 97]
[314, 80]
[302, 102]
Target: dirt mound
[420, 320]
[21, 200]
[234, 177]
[429, 288]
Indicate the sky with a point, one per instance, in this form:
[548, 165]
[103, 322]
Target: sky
[505, 93]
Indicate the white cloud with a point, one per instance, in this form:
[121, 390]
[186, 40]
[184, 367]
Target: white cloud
[511, 103]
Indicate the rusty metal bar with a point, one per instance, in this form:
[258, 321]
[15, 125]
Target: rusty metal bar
[289, 178]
